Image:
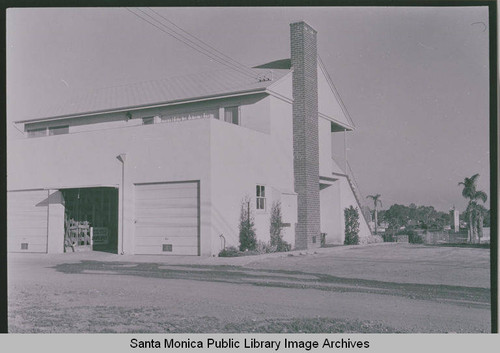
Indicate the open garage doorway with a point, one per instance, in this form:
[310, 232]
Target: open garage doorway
[91, 219]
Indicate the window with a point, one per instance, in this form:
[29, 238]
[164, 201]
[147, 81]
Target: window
[58, 130]
[148, 120]
[213, 114]
[231, 115]
[37, 132]
[261, 197]
[53, 130]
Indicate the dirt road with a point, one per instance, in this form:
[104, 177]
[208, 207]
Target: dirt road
[378, 288]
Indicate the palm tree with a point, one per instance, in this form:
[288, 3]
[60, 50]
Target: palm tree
[376, 202]
[481, 212]
[469, 192]
[471, 216]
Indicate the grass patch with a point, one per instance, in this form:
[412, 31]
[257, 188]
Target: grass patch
[309, 325]
[102, 319]
[462, 245]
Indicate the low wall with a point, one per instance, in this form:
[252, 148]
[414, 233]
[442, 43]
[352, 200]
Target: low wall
[450, 237]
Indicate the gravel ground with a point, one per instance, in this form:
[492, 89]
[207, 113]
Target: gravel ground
[374, 288]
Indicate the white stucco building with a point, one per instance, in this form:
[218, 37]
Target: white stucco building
[162, 167]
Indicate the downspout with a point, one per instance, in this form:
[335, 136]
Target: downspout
[122, 157]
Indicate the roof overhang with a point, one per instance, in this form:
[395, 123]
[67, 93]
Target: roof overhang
[336, 93]
[146, 106]
[336, 125]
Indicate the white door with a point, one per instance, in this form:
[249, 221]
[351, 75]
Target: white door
[27, 221]
[167, 218]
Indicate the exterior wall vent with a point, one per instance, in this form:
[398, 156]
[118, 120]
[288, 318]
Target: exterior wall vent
[167, 247]
[24, 246]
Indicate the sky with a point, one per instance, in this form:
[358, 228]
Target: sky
[414, 79]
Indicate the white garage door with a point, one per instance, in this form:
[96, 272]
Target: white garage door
[167, 218]
[27, 213]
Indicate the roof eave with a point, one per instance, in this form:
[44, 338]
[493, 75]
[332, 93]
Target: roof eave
[335, 92]
[147, 106]
[336, 122]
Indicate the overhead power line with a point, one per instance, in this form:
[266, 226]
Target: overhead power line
[203, 42]
[207, 52]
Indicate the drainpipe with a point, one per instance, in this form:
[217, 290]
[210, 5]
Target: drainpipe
[122, 157]
[224, 239]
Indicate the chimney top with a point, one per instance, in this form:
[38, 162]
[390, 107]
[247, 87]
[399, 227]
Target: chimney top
[303, 23]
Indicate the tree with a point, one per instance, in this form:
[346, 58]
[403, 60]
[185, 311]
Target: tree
[412, 213]
[478, 213]
[376, 202]
[473, 212]
[487, 218]
[351, 216]
[276, 228]
[425, 217]
[248, 240]
[396, 216]
[481, 213]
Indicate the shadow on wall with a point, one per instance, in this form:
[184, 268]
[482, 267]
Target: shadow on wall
[54, 199]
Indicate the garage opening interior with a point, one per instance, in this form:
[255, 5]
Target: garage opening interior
[91, 219]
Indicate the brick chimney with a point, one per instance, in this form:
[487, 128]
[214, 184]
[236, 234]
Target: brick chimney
[305, 134]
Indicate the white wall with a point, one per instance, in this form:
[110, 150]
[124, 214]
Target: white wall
[27, 220]
[338, 150]
[228, 160]
[253, 116]
[334, 199]
[288, 202]
[56, 222]
[325, 148]
[173, 151]
[155, 153]
[347, 199]
[331, 213]
[255, 113]
[243, 158]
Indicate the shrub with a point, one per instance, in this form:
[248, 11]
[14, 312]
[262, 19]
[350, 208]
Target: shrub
[248, 240]
[371, 239]
[414, 237]
[351, 216]
[230, 251]
[323, 240]
[276, 229]
[265, 248]
[389, 236]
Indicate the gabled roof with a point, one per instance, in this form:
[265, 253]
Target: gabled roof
[174, 89]
[283, 64]
[330, 105]
[201, 86]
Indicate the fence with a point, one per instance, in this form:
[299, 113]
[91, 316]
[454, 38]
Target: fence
[430, 236]
[444, 237]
